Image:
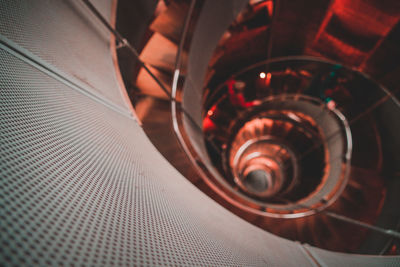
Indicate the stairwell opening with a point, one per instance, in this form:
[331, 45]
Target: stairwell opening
[297, 143]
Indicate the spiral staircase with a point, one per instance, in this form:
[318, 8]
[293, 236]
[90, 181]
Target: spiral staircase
[313, 158]
[306, 147]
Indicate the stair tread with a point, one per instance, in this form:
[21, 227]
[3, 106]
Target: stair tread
[170, 22]
[160, 53]
[148, 86]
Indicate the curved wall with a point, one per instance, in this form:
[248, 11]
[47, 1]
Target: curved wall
[80, 181]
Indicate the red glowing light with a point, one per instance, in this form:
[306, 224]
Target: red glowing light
[268, 77]
[208, 125]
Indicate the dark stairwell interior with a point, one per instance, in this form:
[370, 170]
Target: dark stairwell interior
[293, 58]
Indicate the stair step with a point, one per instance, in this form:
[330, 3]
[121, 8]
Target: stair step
[334, 48]
[160, 53]
[351, 36]
[148, 86]
[170, 22]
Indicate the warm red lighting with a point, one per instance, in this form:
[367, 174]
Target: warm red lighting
[268, 79]
[263, 75]
[208, 125]
[210, 112]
